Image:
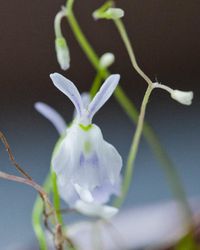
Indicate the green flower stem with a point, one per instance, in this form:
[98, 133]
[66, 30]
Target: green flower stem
[83, 42]
[37, 213]
[134, 149]
[121, 28]
[56, 197]
[96, 84]
[131, 111]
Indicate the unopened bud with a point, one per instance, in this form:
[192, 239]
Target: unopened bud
[62, 53]
[108, 13]
[107, 60]
[114, 13]
[184, 97]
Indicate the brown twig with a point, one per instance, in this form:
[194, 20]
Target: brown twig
[11, 157]
[26, 181]
[59, 238]
[46, 223]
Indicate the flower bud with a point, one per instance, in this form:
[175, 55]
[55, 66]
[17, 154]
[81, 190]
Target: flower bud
[108, 12]
[184, 97]
[62, 53]
[114, 13]
[107, 60]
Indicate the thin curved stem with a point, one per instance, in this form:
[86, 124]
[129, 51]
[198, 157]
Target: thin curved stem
[56, 197]
[121, 28]
[57, 23]
[96, 84]
[37, 213]
[134, 149]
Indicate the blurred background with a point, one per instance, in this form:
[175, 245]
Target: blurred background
[166, 39]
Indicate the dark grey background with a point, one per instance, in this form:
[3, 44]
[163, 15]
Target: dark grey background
[166, 40]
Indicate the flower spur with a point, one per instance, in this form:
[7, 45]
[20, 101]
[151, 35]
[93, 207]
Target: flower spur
[87, 167]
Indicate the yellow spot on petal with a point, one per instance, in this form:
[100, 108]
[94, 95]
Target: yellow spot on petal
[85, 128]
[87, 147]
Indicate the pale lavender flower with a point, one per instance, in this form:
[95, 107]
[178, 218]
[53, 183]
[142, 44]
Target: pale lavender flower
[87, 167]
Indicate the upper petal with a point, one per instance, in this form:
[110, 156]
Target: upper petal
[69, 89]
[103, 94]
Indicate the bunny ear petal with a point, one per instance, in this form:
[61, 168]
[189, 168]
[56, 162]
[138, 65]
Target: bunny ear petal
[103, 94]
[69, 89]
[52, 115]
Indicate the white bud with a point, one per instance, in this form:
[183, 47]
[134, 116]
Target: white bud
[107, 60]
[109, 13]
[114, 13]
[62, 53]
[184, 97]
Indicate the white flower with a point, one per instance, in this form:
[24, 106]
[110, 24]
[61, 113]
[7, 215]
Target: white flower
[87, 167]
[184, 97]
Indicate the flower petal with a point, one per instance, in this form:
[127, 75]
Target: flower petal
[95, 210]
[102, 193]
[68, 194]
[62, 162]
[103, 94]
[69, 89]
[84, 194]
[52, 115]
[112, 161]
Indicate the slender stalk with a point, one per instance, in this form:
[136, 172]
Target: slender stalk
[37, 213]
[131, 111]
[57, 23]
[83, 42]
[56, 196]
[134, 149]
[96, 84]
[121, 28]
